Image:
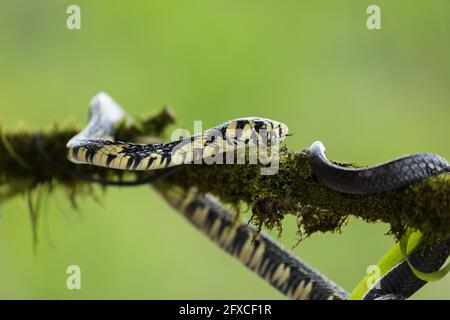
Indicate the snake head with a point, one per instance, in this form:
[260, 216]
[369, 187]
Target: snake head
[273, 128]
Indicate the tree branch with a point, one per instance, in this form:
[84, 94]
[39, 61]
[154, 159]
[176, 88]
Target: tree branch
[293, 190]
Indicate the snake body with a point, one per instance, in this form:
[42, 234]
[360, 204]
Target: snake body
[95, 145]
[391, 175]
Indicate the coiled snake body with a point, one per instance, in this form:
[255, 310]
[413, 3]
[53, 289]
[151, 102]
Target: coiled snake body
[95, 145]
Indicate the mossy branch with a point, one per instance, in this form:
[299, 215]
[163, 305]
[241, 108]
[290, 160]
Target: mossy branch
[293, 190]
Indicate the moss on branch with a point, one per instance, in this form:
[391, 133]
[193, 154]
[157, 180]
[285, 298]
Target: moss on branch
[293, 190]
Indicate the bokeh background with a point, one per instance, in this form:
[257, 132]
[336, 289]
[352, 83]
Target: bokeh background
[368, 95]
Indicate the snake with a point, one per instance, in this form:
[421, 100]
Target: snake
[96, 145]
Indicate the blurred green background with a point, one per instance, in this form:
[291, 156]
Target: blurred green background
[368, 95]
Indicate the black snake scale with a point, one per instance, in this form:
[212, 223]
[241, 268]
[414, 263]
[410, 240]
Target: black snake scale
[95, 145]
[391, 175]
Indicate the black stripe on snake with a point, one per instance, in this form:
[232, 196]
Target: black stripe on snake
[95, 145]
